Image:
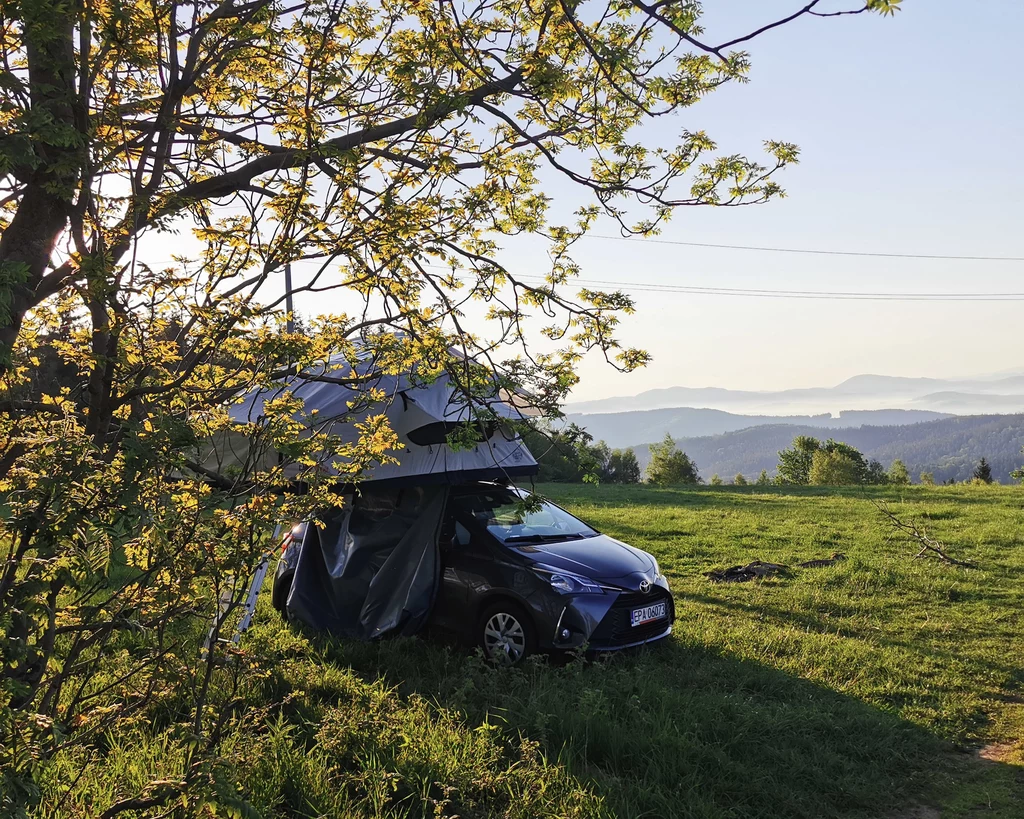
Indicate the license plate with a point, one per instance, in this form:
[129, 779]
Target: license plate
[647, 614]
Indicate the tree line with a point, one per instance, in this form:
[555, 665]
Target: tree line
[948, 448]
[572, 456]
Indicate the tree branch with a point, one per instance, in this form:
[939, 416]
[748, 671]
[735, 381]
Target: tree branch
[232, 181]
[914, 533]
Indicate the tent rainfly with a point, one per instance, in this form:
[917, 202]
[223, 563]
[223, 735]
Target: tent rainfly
[421, 414]
[374, 566]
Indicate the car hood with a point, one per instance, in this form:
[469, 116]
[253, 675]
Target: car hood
[601, 558]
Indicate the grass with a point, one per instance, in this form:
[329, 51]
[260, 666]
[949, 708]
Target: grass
[858, 690]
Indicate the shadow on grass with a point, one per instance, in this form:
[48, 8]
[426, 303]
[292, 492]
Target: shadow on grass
[809, 622]
[679, 730]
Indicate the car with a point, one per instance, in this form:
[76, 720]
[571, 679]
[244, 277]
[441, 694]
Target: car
[522, 576]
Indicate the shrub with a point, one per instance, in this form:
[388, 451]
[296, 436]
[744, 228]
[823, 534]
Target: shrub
[898, 474]
[669, 466]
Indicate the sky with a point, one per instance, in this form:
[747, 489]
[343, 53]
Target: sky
[910, 131]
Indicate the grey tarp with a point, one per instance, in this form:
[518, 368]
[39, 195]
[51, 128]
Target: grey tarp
[374, 567]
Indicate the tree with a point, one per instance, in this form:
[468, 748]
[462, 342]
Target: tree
[568, 455]
[716, 480]
[834, 468]
[564, 454]
[795, 462]
[669, 466]
[898, 474]
[983, 472]
[623, 466]
[1018, 474]
[160, 165]
[861, 468]
[876, 473]
[763, 479]
[599, 455]
[927, 478]
[739, 480]
[844, 465]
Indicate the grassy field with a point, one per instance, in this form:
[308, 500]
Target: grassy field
[882, 686]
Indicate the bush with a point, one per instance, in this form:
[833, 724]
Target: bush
[898, 474]
[833, 463]
[623, 467]
[834, 469]
[670, 466]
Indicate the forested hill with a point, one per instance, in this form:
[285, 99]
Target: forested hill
[949, 447]
[620, 429]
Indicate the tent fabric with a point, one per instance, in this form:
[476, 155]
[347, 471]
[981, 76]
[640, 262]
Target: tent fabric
[374, 569]
[421, 414]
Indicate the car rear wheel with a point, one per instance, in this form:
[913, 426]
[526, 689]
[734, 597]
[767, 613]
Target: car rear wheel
[506, 634]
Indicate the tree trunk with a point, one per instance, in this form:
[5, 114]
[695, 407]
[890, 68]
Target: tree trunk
[50, 176]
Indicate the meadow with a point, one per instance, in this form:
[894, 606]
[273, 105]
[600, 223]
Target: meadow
[881, 686]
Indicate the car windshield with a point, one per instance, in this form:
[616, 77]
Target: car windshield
[510, 519]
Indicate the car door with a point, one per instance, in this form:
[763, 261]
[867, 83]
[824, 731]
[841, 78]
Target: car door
[452, 596]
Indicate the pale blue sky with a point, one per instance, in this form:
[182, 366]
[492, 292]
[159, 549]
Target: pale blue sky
[910, 129]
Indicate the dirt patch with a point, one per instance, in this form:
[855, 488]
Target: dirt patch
[995, 752]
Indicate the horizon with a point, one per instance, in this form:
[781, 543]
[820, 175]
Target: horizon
[868, 102]
[994, 377]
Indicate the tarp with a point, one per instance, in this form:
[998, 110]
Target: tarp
[421, 414]
[374, 568]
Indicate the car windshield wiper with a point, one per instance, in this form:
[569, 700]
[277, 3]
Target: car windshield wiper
[543, 538]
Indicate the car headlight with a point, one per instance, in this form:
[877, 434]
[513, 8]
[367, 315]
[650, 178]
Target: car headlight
[657, 569]
[568, 583]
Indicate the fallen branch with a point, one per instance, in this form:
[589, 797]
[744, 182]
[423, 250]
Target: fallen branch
[837, 557]
[915, 534]
[758, 570]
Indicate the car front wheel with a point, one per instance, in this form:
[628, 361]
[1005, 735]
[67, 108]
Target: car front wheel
[506, 634]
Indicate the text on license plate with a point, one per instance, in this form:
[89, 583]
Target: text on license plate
[646, 614]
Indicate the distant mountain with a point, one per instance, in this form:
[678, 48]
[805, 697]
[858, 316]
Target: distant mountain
[978, 394]
[889, 385]
[949, 447]
[964, 402]
[710, 397]
[621, 429]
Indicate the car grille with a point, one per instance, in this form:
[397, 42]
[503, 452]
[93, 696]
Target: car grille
[615, 630]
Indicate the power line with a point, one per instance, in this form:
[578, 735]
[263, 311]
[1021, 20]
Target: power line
[750, 292]
[809, 251]
[834, 295]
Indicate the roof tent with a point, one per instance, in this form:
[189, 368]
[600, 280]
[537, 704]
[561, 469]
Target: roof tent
[422, 414]
[373, 568]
